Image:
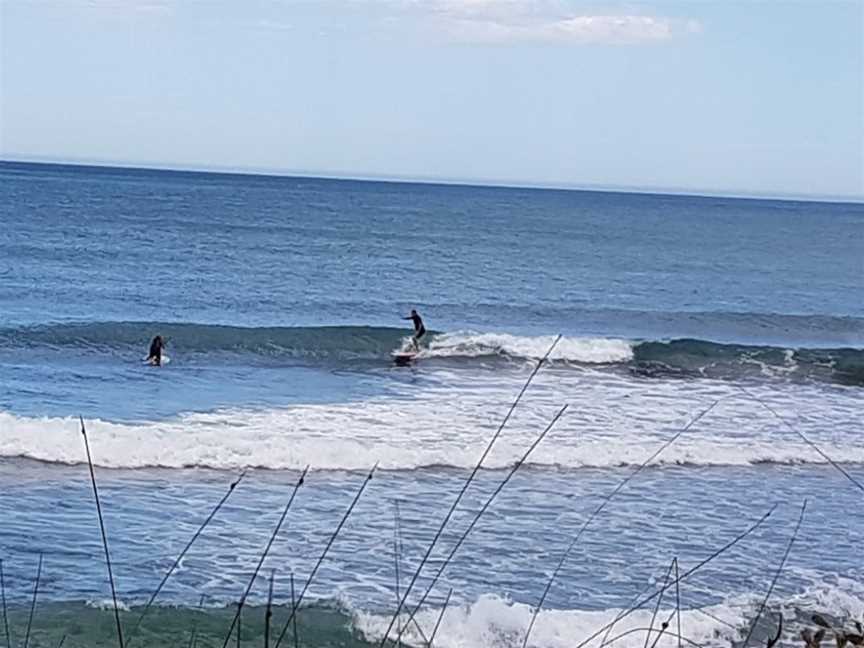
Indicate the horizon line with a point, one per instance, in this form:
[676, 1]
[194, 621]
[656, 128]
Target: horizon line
[433, 180]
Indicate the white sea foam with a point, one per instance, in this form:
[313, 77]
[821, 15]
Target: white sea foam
[107, 604]
[611, 421]
[575, 349]
[494, 622]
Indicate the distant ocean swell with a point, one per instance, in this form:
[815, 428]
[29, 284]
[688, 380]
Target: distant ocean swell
[681, 357]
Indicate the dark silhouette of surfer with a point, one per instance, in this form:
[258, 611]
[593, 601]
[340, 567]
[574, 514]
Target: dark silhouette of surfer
[419, 329]
[155, 355]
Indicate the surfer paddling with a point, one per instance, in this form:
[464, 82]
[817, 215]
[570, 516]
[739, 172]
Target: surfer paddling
[419, 329]
[155, 355]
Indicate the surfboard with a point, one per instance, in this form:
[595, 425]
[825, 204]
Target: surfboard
[165, 360]
[402, 358]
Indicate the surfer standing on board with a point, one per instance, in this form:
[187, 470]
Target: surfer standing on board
[419, 329]
[155, 355]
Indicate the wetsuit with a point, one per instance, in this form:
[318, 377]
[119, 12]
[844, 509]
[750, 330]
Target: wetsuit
[419, 329]
[156, 351]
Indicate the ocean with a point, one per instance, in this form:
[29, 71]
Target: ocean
[703, 340]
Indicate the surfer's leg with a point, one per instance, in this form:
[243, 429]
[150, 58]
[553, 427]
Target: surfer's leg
[416, 338]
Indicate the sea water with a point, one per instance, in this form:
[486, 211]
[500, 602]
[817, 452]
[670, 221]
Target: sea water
[280, 300]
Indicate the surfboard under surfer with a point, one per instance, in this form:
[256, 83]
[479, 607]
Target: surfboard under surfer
[419, 329]
[155, 355]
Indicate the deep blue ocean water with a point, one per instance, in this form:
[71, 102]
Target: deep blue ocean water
[281, 299]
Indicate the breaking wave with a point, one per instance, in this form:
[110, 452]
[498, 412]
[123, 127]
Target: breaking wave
[487, 621]
[425, 433]
[335, 344]
[492, 621]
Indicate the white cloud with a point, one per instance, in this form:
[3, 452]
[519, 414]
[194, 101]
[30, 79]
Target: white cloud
[112, 7]
[612, 29]
[470, 21]
[145, 6]
[274, 25]
[543, 21]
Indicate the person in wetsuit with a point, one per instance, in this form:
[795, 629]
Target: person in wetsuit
[155, 355]
[419, 329]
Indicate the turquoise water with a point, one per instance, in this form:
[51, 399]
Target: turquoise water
[280, 300]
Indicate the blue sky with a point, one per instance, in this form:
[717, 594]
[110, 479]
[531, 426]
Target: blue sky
[758, 97]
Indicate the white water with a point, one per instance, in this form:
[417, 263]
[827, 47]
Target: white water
[571, 349]
[494, 622]
[611, 421]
